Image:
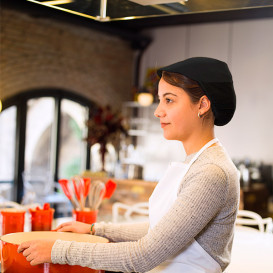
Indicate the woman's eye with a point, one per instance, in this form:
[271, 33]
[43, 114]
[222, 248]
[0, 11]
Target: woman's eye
[168, 100]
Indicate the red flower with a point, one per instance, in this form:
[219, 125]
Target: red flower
[105, 126]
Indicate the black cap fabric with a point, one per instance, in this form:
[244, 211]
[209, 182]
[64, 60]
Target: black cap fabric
[215, 79]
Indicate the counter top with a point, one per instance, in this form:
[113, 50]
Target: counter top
[252, 251]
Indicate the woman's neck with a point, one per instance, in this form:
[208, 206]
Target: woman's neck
[194, 143]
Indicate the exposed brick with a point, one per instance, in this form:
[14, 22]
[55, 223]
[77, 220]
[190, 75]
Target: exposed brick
[39, 53]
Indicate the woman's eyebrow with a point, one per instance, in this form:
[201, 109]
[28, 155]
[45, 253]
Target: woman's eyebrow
[168, 93]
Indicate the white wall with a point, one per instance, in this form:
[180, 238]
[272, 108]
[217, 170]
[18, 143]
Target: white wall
[247, 47]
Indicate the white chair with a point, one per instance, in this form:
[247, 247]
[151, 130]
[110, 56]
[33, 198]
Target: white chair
[139, 208]
[10, 204]
[251, 218]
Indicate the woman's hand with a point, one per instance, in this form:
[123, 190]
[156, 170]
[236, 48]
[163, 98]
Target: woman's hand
[74, 226]
[37, 251]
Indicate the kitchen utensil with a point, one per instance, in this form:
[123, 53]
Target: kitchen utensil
[110, 187]
[46, 206]
[98, 196]
[12, 261]
[67, 191]
[96, 193]
[78, 190]
[87, 184]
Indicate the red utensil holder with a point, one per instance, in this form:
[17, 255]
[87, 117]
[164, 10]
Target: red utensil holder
[13, 220]
[41, 220]
[88, 217]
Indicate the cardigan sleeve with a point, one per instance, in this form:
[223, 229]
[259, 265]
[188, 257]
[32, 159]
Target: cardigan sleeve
[122, 232]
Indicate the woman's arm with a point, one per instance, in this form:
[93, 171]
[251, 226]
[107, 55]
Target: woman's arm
[194, 208]
[114, 232]
[122, 232]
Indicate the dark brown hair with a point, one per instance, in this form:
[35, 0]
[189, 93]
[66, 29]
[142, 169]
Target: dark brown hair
[191, 87]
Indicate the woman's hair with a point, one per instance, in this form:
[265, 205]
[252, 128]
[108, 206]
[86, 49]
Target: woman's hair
[191, 87]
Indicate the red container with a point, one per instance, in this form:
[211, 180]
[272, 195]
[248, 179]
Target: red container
[12, 261]
[13, 220]
[85, 216]
[41, 220]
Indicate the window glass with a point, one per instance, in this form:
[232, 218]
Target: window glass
[72, 158]
[40, 116]
[7, 148]
[38, 177]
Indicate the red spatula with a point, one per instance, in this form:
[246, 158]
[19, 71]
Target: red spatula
[110, 187]
[78, 190]
[67, 192]
[86, 183]
[46, 206]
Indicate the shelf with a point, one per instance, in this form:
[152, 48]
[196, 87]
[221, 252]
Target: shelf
[133, 132]
[137, 105]
[139, 121]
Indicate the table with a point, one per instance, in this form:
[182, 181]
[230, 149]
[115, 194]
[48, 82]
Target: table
[252, 252]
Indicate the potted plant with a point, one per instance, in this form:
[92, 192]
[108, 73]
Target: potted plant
[105, 126]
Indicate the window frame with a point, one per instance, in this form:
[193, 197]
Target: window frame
[20, 101]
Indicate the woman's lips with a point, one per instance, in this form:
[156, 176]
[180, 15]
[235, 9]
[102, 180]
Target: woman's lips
[164, 124]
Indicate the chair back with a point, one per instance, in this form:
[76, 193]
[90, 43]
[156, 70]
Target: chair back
[139, 208]
[251, 218]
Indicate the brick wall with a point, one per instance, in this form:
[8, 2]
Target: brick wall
[42, 53]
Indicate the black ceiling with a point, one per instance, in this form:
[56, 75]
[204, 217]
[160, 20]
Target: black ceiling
[131, 29]
[112, 10]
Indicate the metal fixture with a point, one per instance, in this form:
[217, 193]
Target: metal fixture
[119, 10]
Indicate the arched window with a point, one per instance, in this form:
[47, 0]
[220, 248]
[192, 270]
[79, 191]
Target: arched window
[42, 134]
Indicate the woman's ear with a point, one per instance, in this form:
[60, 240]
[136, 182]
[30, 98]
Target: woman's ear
[204, 105]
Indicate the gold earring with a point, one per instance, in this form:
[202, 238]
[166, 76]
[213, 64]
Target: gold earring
[199, 115]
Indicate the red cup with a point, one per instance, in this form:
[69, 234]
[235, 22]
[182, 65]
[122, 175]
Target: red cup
[13, 220]
[85, 216]
[41, 220]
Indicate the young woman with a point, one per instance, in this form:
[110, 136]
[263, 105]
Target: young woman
[194, 206]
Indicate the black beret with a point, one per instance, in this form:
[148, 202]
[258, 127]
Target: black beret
[215, 79]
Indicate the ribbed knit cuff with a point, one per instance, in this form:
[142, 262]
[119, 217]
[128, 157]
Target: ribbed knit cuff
[100, 229]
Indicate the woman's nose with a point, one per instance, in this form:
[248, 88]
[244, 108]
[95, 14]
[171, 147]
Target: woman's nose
[158, 112]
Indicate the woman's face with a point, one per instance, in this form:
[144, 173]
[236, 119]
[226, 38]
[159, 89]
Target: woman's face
[178, 115]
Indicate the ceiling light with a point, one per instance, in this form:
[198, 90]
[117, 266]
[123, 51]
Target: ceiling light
[57, 2]
[129, 18]
[183, 2]
[152, 2]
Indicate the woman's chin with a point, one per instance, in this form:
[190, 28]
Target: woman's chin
[168, 136]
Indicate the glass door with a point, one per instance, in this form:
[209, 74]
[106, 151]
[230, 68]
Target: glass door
[7, 151]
